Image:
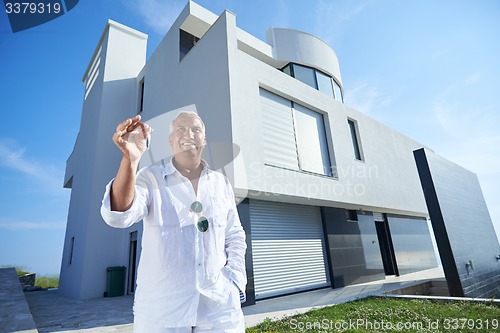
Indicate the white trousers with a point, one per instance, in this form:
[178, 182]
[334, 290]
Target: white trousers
[212, 317]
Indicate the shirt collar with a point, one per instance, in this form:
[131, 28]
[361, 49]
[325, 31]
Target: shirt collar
[169, 168]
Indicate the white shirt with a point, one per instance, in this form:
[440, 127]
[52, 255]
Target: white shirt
[178, 262]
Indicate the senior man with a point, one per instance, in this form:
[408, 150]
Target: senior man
[191, 275]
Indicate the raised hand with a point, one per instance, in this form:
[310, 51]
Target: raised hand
[130, 136]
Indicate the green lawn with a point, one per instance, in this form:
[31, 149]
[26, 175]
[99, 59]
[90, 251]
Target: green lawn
[379, 314]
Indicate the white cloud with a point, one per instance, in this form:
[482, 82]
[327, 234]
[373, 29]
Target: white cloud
[12, 224]
[14, 157]
[331, 16]
[479, 154]
[367, 98]
[157, 14]
[282, 17]
[472, 79]
[458, 116]
[451, 112]
[471, 128]
[470, 137]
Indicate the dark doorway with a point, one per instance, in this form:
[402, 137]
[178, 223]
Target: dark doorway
[132, 262]
[386, 248]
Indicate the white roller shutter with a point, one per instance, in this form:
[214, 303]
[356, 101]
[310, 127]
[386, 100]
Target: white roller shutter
[278, 134]
[288, 248]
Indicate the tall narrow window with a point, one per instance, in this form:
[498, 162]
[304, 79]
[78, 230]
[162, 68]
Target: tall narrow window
[338, 92]
[186, 43]
[132, 262]
[71, 250]
[141, 95]
[355, 139]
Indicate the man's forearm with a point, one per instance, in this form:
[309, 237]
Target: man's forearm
[123, 187]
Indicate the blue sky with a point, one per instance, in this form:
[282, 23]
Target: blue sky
[428, 69]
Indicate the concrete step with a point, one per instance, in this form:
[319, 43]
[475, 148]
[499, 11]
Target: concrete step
[439, 292]
[439, 288]
[439, 283]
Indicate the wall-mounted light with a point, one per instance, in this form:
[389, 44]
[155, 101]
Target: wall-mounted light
[497, 257]
[469, 265]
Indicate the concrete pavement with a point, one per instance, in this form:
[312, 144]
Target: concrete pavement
[15, 314]
[55, 313]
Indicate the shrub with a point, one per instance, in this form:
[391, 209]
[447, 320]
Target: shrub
[47, 282]
[21, 271]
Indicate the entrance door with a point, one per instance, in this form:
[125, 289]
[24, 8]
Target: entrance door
[385, 243]
[132, 262]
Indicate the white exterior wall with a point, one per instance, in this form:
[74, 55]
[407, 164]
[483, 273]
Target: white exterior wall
[299, 47]
[387, 179]
[111, 99]
[200, 78]
[221, 75]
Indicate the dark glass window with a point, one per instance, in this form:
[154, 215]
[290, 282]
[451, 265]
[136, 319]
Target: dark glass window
[287, 70]
[187, 41]
[315, 79]
[141, 95]
[351, 215]
[72, 248]
[355, 139]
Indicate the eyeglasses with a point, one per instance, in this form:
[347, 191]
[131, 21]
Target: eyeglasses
[202, 224]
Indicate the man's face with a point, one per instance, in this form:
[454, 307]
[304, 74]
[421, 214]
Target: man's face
[187, 136]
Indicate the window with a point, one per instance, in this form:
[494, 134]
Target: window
[305, 74]
[71, 250]
[141, 95]
[186, 43]
[280, 148]
[353, 128]
[311, 141]
[294, 136]
[132, 262]
[338, 92]
[287, 69]
[324, 83]
[315, 79]
[351, 215]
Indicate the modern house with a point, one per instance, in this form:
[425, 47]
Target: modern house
[328, 196]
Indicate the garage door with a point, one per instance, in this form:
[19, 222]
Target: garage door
[288, 248]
